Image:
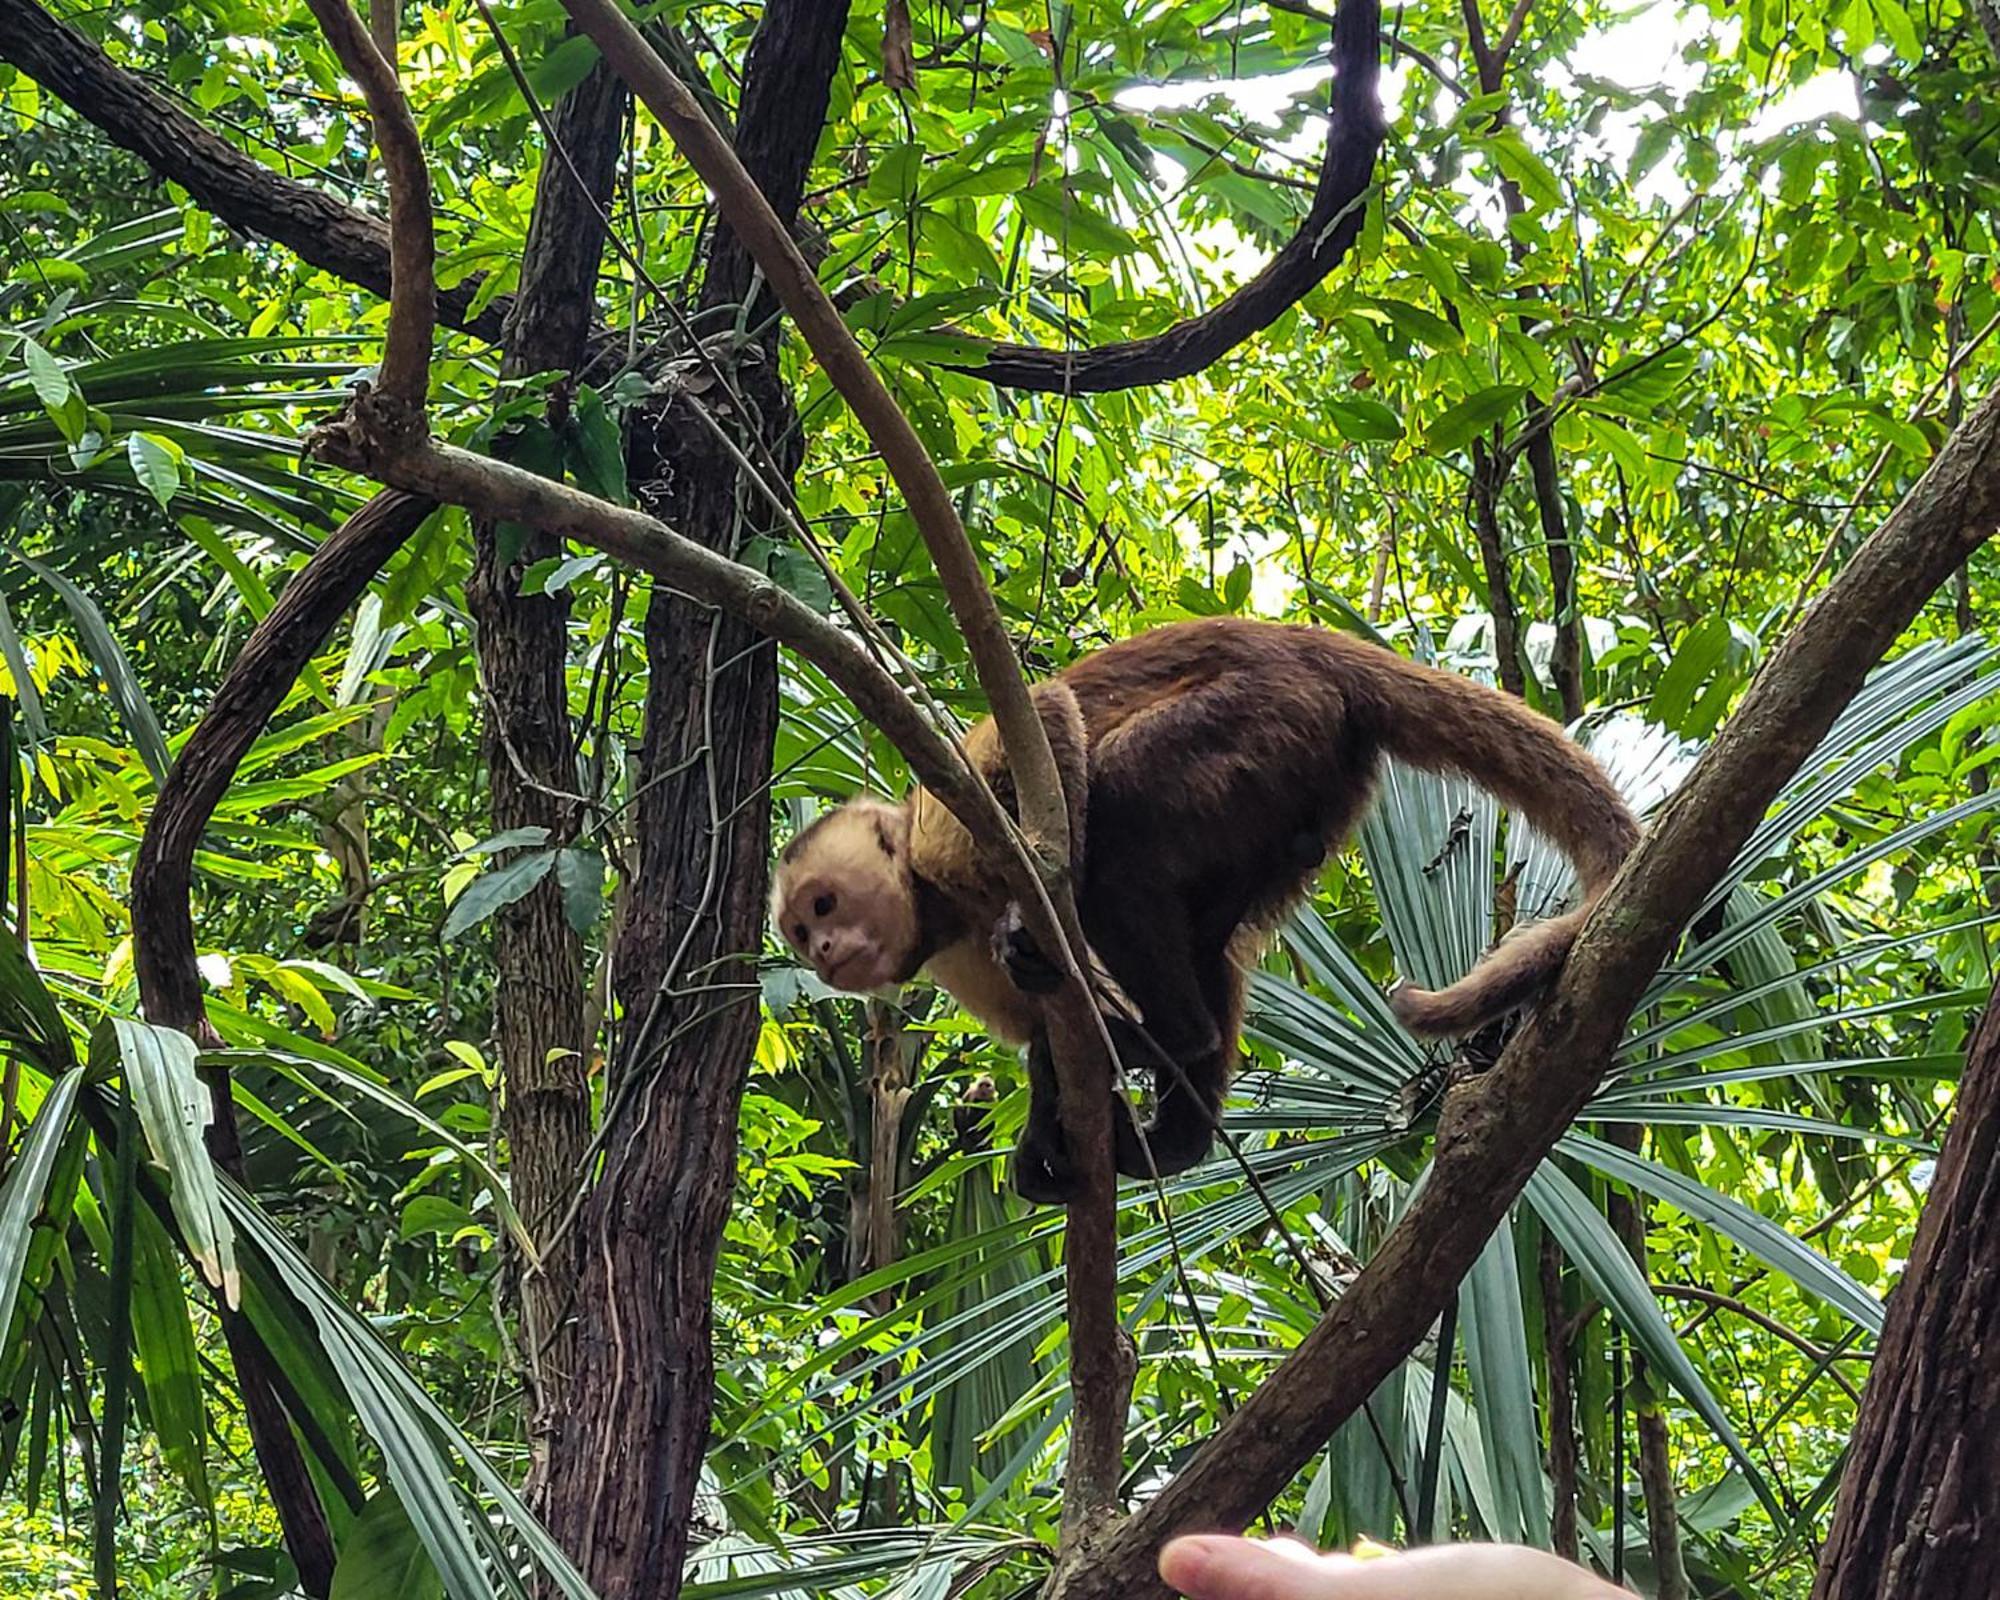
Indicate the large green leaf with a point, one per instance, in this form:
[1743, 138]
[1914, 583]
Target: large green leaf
[174, 1111]
[1761, 1237]
[27, 1182]
[1607, 1267]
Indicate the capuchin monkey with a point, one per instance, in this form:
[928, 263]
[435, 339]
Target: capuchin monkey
[1209, 767]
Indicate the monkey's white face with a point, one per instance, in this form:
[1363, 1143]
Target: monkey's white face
[844, 907]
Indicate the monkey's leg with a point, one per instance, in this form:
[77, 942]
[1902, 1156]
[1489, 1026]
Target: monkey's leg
[1041, 1171]
[1180, 1039]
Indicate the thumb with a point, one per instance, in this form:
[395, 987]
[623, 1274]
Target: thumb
[1215, 1567]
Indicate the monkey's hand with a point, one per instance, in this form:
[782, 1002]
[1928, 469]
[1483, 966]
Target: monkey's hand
[1032, 971]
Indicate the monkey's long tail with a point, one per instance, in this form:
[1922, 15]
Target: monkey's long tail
[1440, 722]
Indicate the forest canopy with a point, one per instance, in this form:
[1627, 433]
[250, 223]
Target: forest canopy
[476, 480]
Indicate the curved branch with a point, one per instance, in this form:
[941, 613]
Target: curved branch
[1354, 134]
[1495, 1129]
[319, 229]
[163, 954]
[163, 949]
[404, 376]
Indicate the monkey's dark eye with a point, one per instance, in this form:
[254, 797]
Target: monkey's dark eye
[801, 933]
[823, 906]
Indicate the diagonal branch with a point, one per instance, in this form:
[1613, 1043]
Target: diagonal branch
[1493, 1131]
[319, 229]
[1100, 1368]
[750, 217]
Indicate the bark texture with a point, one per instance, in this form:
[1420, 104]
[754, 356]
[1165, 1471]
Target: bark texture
[1919, 1506]
[636, 1426]
[530, 750]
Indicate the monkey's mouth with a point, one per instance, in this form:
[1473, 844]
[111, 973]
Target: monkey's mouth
[841, 974]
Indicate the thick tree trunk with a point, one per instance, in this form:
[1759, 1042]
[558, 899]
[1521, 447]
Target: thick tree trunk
[530, 758]
[1919, 1507]
[636, 1428]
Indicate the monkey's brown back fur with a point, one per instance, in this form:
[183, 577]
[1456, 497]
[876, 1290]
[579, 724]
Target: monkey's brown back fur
[1219, 748]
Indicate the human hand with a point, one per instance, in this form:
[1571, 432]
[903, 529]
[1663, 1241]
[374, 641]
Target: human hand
[1207, 1567]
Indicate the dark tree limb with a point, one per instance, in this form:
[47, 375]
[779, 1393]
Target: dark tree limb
[529, 752]
[636, 1426]
[319, 229]
[163, 948]
[1566, 661]
[1354, 134]
[1656, 1467]
[1916, 1512]
[1489, 476]
[1557, 1345]
[1038, 874]
[1495, 1129]
[163, 952]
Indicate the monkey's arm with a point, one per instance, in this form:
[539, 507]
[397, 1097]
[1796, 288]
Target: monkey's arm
[1069, 743]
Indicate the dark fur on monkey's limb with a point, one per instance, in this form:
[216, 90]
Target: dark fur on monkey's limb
[1214, 763]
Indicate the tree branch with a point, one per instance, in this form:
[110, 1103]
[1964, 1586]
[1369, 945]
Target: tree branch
[403, 379]
[163, 953]
[1354, 134]
[319, 229]
[1494, 1130]
[1103, 1383]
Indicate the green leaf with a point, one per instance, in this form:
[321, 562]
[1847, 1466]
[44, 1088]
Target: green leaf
[27, 1182]
[430, 1213]
[1530, 173]
[1058, 211]
[382, 1558]
[1700, 653]
[558, 573]
[109, 657]
[51, 383]
[1901, 29]
[163, 1340]
[562, 67]
[581, 875]
[29, 1019]
[594, 450]
[1607, 1267]
[174, 1109]
[415, 1436]
[491, 891]
[1365, 421]
[156, 463]
[1458, 424]
[1758, 1235]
